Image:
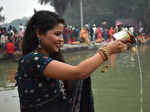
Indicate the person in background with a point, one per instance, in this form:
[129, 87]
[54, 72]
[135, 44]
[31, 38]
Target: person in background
[91, 31]
[131, 30]
[77, 33]
[84, 36]
[105, 33]
[4, 39]
[65, 34]
[21, 26]
[69, 34]
[73, 36]
[94, 31]
[21, 31]
[111, 32]
[10, 49]
[17, 43]
[43, 78]
[99, 38]
[77, 38]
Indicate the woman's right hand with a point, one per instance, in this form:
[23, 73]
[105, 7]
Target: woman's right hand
[116, 47]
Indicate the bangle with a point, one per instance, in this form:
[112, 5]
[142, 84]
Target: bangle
[106, 51]
[103, 53]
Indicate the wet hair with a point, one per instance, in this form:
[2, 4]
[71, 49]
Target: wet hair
[41, 21]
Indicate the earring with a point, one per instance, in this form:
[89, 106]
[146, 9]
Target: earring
[39, 43]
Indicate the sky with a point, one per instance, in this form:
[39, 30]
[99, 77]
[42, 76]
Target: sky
[14, 9]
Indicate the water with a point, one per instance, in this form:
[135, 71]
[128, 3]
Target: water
[141, 79]
[116, 90]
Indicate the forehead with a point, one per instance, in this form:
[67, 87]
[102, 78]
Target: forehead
[59, 27]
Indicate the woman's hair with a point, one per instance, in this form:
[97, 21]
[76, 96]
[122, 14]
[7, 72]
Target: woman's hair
[41, 21]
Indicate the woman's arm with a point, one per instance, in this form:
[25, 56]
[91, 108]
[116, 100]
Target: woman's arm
[62, 71]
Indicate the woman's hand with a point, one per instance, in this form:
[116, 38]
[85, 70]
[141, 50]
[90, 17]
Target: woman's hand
[116, 47]
[113, 48]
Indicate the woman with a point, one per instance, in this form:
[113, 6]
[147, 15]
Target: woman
[99, 35]
[42, 68]
[10, 49]
[111, 32]
[84, 35]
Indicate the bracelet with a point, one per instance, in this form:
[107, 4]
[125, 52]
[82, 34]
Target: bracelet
[106, 51]
[103, 53]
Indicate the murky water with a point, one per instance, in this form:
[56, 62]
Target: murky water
[116, 90]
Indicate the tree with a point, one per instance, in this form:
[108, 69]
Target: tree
[96, 11]
[2, 18]
[59, 5]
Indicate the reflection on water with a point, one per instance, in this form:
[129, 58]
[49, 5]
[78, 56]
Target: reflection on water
[7, 73]
[9, 101]
[115, 90]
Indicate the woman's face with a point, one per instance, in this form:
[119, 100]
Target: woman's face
[53, 39]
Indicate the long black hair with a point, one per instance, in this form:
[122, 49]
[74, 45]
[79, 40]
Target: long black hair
[41, 21]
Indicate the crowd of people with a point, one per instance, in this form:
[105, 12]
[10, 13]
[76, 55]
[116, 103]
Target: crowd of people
[99, 33]
[10, 38]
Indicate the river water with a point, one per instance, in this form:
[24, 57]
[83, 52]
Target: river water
[115, 90]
